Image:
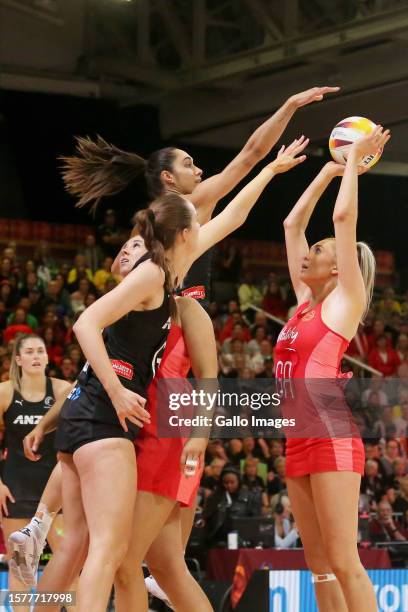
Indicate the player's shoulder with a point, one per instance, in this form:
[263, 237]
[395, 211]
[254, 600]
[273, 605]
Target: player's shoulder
[149, 269]
[6, 394]
[60, 385]
[187, 304]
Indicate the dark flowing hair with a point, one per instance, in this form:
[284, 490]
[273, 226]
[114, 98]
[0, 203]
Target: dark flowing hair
[100, 169]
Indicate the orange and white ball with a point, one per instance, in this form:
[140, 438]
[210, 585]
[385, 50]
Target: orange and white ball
[345, 133]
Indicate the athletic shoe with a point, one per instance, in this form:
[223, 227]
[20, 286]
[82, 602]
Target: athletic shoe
[154, 589]
[26, 545]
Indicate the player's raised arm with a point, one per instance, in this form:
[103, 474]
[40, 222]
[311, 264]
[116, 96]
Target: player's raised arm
[296, 223]
[236, 213]
[210, 191]
[350, 279]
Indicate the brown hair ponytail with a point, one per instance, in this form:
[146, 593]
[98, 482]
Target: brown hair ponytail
[159, 225]
[99, 169]
[145, 223]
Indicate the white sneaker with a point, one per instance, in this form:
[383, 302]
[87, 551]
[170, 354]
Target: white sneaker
[26, 545]
[154, 589]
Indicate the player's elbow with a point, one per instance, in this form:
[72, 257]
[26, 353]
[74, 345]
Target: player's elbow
[79, 325]
[291, 225]
[343, 216]
[252, 155]
[238, 219]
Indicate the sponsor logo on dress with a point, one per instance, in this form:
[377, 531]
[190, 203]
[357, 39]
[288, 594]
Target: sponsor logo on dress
[288, 333]
[28, 419]
[122, 368]
[197, 292]
[74, 394]
[167, 324]
[18, 402]
[49, 401]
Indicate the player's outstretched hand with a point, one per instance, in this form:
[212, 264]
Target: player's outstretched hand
[371, 143]
[287, 156]
[315, 94]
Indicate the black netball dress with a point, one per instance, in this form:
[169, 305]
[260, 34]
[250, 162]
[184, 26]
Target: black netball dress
[197, 283]
[26, 479]
[135, 344]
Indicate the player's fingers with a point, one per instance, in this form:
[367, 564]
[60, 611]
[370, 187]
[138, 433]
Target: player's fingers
[123, 423]
[293, 145]
[183, 459]
[191, 464]
[385, 137]
[300, 147]
[34, 456]
[140, 401]
[377, 131]
[141, 414]
[36, 443]
[298, 160]
[135, 421]
[9, 495]
[4, 508]
[28, 452]
[140, 411]
[281, 150]
[324, 90]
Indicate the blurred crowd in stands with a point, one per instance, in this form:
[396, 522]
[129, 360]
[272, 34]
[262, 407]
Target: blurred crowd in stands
[242, 477]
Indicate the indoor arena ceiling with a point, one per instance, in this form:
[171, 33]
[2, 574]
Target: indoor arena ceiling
[215, 68]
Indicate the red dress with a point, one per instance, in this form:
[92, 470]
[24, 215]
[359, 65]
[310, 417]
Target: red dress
[308, 349]
[158, 458]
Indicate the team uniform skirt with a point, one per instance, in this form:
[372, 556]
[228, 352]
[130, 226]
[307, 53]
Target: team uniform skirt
[27, 480]
[311, 455]
[88, 415]
[159, 471]
[158, 458]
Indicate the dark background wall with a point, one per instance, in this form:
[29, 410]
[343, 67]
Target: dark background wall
[36, 128]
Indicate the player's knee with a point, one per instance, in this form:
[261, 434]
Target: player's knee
[73, 546]
[78, 543]
[125, 573]
[343, 565]
[164, 568]
[108, 551]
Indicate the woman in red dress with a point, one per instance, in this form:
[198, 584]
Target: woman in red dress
[333, 282]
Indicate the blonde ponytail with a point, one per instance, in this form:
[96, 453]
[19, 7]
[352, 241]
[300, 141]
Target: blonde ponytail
[367, 263]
